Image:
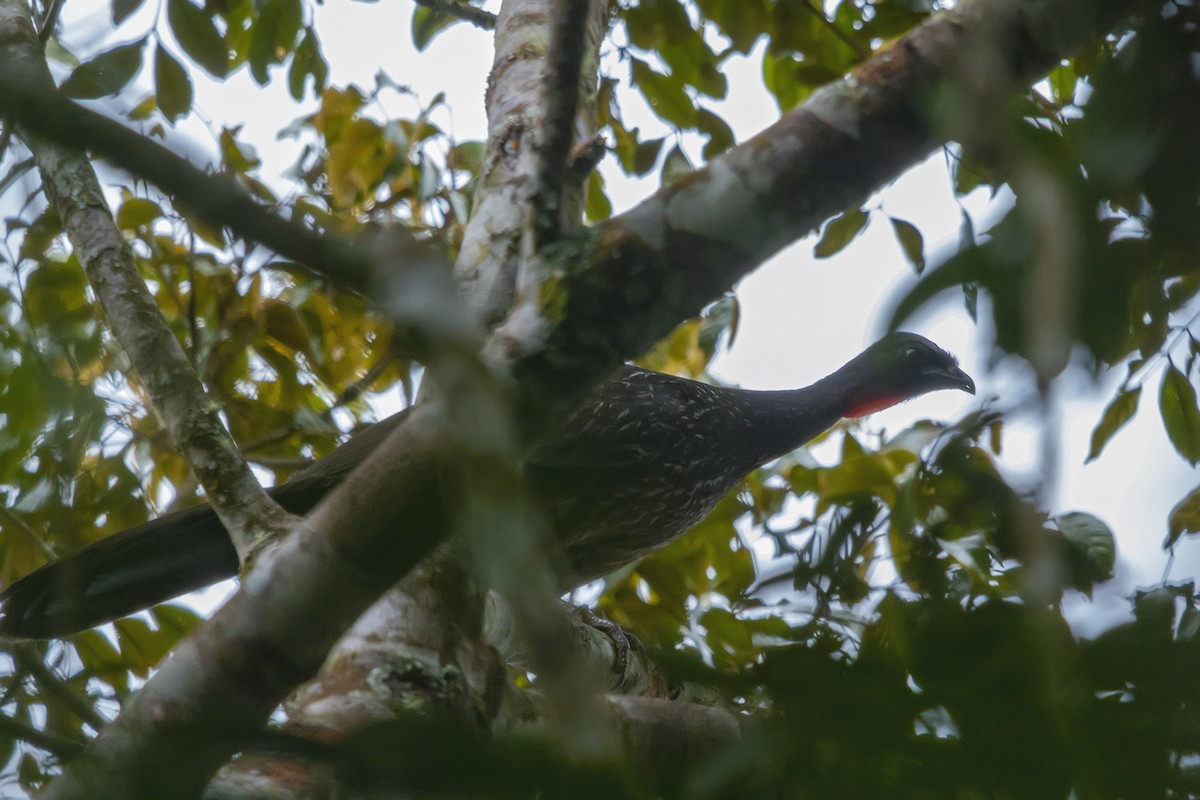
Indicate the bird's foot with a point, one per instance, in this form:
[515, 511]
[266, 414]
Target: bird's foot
[618, 637]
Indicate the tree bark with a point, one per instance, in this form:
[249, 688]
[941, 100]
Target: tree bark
[627, 283]
[74, 192]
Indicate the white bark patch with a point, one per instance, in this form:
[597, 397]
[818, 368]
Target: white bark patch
[708, 209]
[649, 224]
[837, 106]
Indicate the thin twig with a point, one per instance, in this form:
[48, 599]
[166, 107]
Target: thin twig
[269, 439]
[467, 13]
[50, 19]
[1162, 352]
[29, 659]
[192, 313]
[23, 731]
[862, 52]
[356, 389]
[282, 462]
[215, 199]
[564, 59]
[5, 141]
[348, 395]
[29, 534]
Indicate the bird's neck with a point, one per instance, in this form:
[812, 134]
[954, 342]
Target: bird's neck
[784, 420]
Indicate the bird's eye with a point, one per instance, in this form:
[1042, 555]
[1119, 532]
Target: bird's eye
[911, 353]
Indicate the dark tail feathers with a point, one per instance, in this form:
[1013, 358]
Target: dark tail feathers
[116, 576]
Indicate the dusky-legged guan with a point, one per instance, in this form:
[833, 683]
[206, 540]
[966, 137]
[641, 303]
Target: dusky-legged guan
[645, 459]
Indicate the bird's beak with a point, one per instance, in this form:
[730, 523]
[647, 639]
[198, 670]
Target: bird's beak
[954, 378]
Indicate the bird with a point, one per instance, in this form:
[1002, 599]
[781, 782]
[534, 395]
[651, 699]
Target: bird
[643, 460]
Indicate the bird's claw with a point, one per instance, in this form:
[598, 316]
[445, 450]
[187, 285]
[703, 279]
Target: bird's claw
[618, 637]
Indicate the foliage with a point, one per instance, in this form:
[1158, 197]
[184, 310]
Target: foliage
[914, 643]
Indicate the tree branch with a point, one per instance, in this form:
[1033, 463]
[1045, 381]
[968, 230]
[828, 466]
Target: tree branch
[49, 20]
[416, 652]
[661, 735]
[467, 13]
[596, 650]
[664, 259]
[563, 69]
[28, 659]
[492, 249]
[74, 192]
[39, 109]
[639, 275]
[831, 26]
[24, 732]
[222, 682]
[32, 536]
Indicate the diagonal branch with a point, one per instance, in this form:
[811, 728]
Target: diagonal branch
[464, 11]
[564, 60]
[74, 192]
[39, 109]
[664, 259]
[495, 240]
[24, 732]
[28, 659]
[635, 278]
[223, 681]
[855, 45]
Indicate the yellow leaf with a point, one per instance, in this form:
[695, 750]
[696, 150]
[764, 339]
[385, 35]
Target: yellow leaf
[357, 160]
[337, 109]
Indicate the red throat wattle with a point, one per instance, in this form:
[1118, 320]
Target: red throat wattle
[876, 404]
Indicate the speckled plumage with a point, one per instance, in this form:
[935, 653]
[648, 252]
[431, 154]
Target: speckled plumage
[627, 472]
[651, 455]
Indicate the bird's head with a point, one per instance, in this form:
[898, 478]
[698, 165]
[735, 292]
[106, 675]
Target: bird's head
[898, 367]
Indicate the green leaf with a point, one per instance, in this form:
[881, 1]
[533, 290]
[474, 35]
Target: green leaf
[101, 659]
[720, 135]
[643, 157]
[840, 231]
[1119, 411]
[1185, 517]
[466, 156]
[743, 21]
[1094, 540]
[124, 9]
[902, 530]
[306, 61]
[274, 36]
[172, 86]
[141, 647]
[911, 242]
[779, 76]
[137, 211]
[1181, 417]
[174, 621]
[675, 165]
[1062, 83]
[427, 24]
[597, 206]
[959, 271]
[106, 74]
[665, 94]
[196, 34]
[690, 60]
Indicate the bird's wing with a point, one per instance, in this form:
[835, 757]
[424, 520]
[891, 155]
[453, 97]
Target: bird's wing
[321, 476]
[610, 430]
